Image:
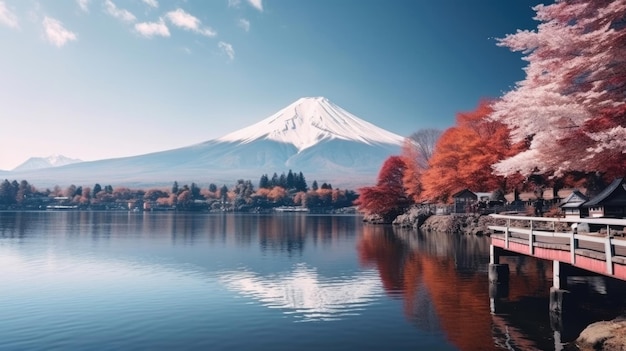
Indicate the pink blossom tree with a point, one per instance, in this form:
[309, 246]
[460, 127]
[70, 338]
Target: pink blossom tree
[571, 104]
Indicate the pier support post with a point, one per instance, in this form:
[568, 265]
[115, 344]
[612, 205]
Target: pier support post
[498, 284]
[498, 277]
[559, 277]
[499, 274]
[558, 294]
[559, 298]
[560, 301]
[494, 254]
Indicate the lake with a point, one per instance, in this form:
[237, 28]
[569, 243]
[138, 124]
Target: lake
[192, 281]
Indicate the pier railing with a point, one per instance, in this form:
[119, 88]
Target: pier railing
[553, 238]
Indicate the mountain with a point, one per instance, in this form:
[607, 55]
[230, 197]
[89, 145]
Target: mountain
[45, 162]
[309, 121]
[312, 135]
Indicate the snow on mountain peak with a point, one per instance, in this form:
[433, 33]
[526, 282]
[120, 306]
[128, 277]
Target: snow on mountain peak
[310, 120]
[54, 160]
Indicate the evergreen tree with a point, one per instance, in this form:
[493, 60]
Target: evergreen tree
[108, 189]
[264, 182]
[175, 188]
[212, 188]
[274, 182]
[5, 193]
[314, 187]
[96, 189]
[282, 181]
[195, 192]
[291, 183]
[301, 182]
[224, 193]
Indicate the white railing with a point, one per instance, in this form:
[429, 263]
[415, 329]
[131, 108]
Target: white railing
[574, 238]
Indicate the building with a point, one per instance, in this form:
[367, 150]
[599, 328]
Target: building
[611, 202]
[572, 205]
[464, 201]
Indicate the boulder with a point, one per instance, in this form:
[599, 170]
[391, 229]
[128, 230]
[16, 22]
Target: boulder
[604, 335]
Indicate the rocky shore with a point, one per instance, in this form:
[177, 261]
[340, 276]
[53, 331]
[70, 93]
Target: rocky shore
[467, 224]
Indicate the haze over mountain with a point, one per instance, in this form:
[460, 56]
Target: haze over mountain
[46, 162]
[312, 135]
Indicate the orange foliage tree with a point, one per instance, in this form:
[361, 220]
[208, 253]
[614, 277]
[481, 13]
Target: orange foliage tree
[388, 198]
[465, 153]
[412, 177]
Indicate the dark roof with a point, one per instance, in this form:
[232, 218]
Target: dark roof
[574, 200]
[465, 193]
[612, 195]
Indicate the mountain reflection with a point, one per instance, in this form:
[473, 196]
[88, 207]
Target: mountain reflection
[305, 294]
[443, 283]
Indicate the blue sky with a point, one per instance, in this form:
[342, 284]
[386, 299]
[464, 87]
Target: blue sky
[95, 79]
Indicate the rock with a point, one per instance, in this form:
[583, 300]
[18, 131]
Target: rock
[470, 224]
[605, 335]
[374, 219]
[413, 218]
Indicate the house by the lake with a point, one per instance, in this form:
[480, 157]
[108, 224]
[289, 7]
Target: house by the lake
[611, 202]
[464, 200]
[572, 205]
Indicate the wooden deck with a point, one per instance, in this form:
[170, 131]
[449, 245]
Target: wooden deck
[537, 237]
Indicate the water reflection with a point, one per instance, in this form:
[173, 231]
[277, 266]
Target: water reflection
[440, 279]
[302, 292]
[282, 233]
[443, 283]
[274, 270]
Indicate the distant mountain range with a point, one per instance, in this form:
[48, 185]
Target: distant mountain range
[312, 135]
[34, 163]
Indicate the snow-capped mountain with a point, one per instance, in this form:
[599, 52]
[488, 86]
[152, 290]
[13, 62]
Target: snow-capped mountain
[309, 121]
[312, 136]
[46, 162]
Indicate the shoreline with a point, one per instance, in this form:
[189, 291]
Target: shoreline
[424, 220]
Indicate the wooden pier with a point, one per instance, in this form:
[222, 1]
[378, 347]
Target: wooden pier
[602, 252]
[599, 251]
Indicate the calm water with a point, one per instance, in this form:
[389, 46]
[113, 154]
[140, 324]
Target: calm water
[134, 281]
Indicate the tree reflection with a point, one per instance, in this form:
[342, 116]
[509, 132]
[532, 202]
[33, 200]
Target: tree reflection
[444, 286]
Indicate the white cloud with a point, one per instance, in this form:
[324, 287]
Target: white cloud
[227, 49]
[151, 29]
[121, 14]
[184, 20]
[244, 23]
[56, 33]
[83, 4]
[234, 3]
[7, 17]
[151, 3]
[257, 4]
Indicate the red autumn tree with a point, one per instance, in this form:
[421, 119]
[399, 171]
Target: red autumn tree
[388, 198]
[464, 155]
